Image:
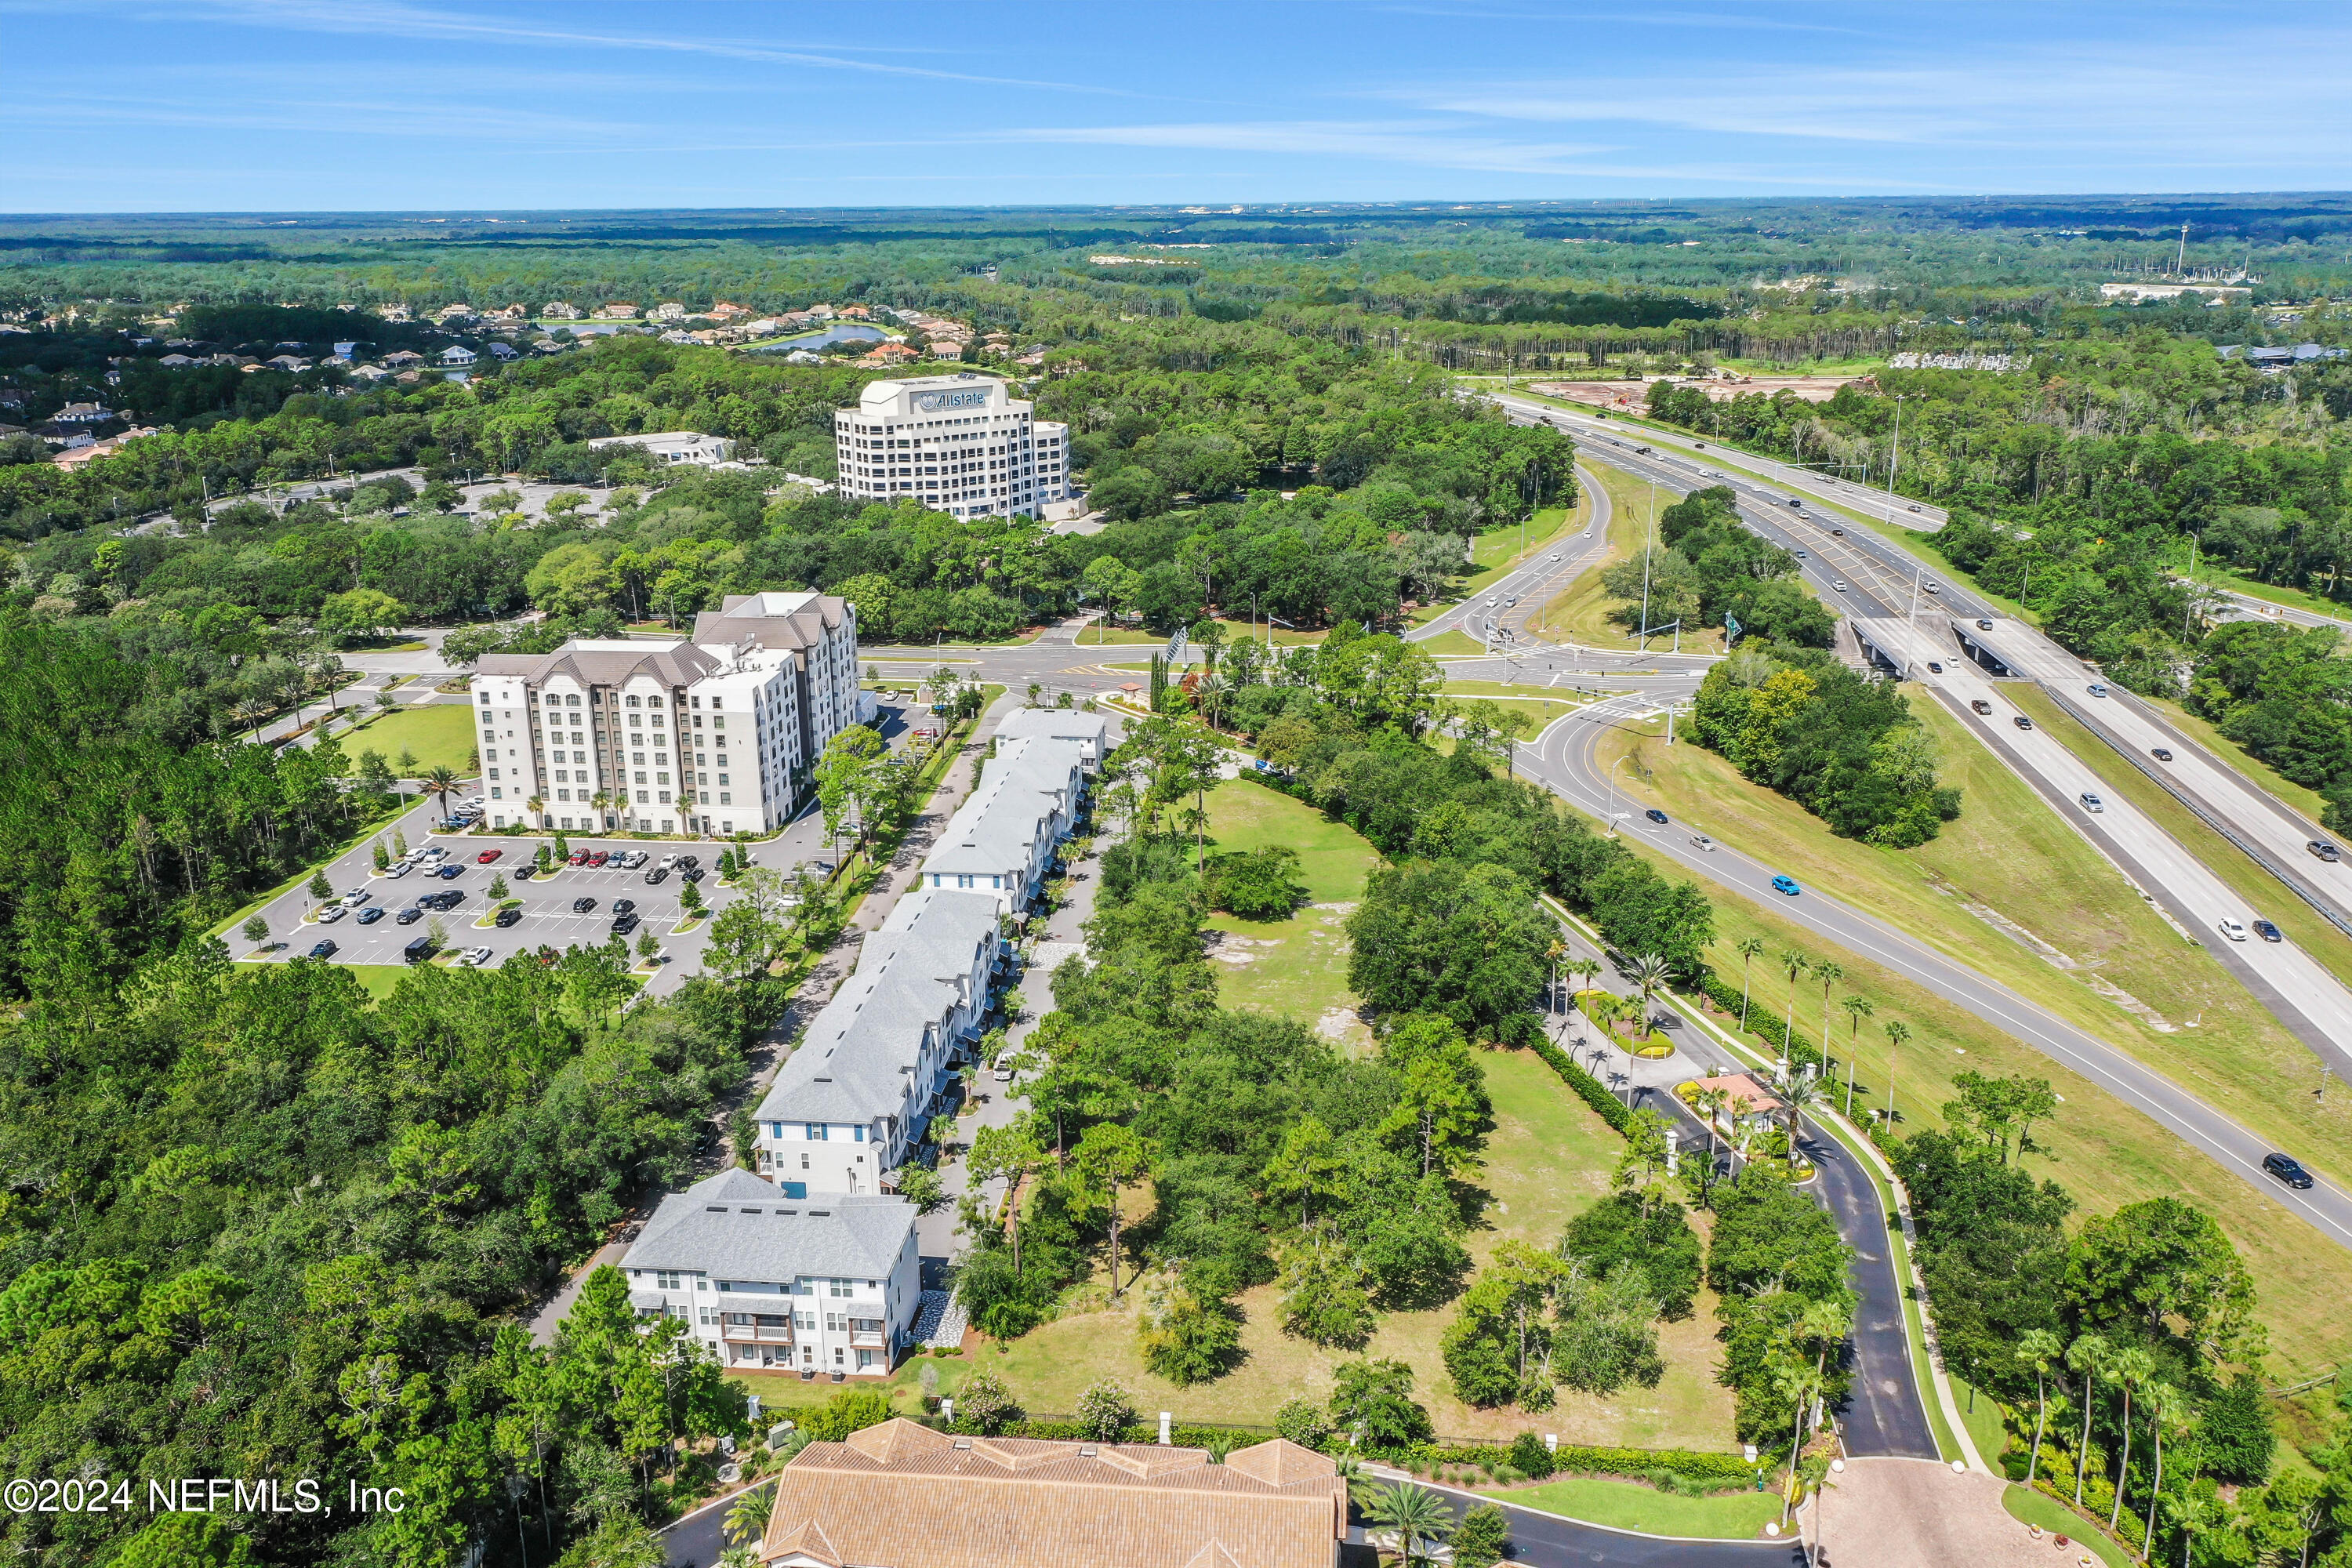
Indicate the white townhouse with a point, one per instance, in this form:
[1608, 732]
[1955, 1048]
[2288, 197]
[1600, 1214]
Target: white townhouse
[958, 443]
[826, 1286]
[1001, 841]
[860, 1088]
[712, 735]
[1090, 732]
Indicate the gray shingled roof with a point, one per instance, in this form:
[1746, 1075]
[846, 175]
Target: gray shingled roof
[761, 618]
[1055, 724]
[856, 1059]
[672, 664]
[734, 1226]
[1003, 823]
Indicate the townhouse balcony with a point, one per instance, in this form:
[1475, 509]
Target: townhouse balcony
[756, 1329]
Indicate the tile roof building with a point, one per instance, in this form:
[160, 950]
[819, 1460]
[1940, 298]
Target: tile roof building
[900, 1495]
[828, 1286]
[958, 443]
[583, 737]
[1002, 840]
[869, 1072]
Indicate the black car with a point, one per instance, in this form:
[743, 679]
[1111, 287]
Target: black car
[409, 916]
[625, 906]
[691, 863]
[658, 874]
[690, 874]
[581, 906]
[1655, 814]
[2284, 1167]
[2267, 931]
[1934, 667]
[322, 949]
[447, 899]
[623, 924]
[2160, 753]
[370, 915]
[509, 916]
[2023, 722]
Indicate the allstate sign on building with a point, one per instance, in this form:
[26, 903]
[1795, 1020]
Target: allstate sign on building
[939, 402]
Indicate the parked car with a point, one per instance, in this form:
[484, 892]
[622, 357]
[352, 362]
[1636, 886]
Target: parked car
[2268, 931]
[2324, 850]
[399, 868]
[452, 871]
[581, 906]
[511, 915]
[355, 897]
[2023, 722]
[1979, 705]
[691, 862]
[2160, 753]
[625, 906]
[599, 859]
[372, 914]
[659, 874]
[1786, 886]
[409, 916]
[324, 950]
[1701, 841]
[666, 863]
[577, 858]
[2091, 801]
[623, 924]
[1655, 814]
[418, 950]
[486, 856]
[331, 913]
[632, 858]
[474, 956]
[2233, 929]
[691, 873]
[2286, 1170]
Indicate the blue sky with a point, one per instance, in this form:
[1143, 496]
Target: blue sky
[247, 105]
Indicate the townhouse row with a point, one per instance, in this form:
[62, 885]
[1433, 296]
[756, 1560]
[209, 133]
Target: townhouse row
[809, 1263]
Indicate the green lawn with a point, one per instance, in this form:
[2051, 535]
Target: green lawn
[441, 736]
[377, 979]
[1296, 966]
[1984, 1422]
[1630, 1505]
[2010, 855]
[2029, 1507]
[1451, 642]
[1580, 612]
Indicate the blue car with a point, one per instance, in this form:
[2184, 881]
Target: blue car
[324, 950]
[1787, 885]
[452, 871]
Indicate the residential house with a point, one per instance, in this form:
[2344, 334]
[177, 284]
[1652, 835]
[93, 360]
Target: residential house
[873, 1066]
[403, 359]
[505, 351]
[175, 362]
[513, 313]
[458, 313]
[83, 449]
[82, 414]
[561, 310]
[619, 311]
[900, 1495]
[944, 350]
[669, 310]
[1001, 840]
[392, 312]
[369, 373]
[287, 362]
[725, 311]
[1089, 732]
[824, 1286]
[458, 353]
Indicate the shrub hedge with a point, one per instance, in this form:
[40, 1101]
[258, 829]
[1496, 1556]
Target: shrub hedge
[1590, 1089]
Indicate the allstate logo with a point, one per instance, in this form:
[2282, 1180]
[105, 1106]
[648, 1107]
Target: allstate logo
[935, 401]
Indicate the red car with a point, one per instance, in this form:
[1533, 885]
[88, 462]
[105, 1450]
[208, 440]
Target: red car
[599, 858]
[486, 856]
[579, 857]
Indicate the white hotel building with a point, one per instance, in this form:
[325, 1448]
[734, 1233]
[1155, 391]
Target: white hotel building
[958, 443]
[715, 734]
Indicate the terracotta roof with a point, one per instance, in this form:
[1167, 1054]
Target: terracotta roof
[903, 1496]
[1748, 1096]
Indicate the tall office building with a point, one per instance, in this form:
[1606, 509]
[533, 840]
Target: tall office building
[958, 443]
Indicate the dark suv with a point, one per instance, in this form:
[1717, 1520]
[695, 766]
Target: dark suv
[2285, 1168]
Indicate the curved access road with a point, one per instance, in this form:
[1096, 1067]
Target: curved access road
[1562, 758]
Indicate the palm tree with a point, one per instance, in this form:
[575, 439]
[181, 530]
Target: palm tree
[2133, 1368]
[1362, 1490]
[1897, 1031]
[1421, 1518]
[2088, 1355]
[1650, 973]
[1857, 1008]
[2039, 1349]
[536, 805]
[1793, 965]
[1749, 947]
[2165, 1409]
[296, 684]
[1211, 690]
[1829, 974]
[747, 1519]
[440, 781]
[1797, 1091]
[1711, 1103]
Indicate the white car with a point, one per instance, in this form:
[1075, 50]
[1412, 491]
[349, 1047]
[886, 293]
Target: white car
[1839, 584]
[667, 863]
[1931, 587]
[472, 957]
[356, 897]
[2091, 801]
[1701, 841]
[398, 869]
[331, 913]
[2233, 929]
[433, 852]
[1554, 556]
[635, 858]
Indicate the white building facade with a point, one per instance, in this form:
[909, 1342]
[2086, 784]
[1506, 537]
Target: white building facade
[828, 1286]
[1001, 840]
[958, 443]
[714, 735]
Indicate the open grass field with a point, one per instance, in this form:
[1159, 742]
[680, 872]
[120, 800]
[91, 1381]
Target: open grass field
[1497, 550]
[1630, 1505]
[2301, 924]
[441, 736]
[2009, 854]
[1549, 1159]
[1298, 967]
[1582, 612]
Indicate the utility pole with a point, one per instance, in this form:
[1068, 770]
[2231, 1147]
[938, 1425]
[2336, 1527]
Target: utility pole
[1895, 457]
[1646, 540]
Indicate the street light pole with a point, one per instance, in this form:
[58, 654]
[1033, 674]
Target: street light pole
[1895, 457]
[1612, 791]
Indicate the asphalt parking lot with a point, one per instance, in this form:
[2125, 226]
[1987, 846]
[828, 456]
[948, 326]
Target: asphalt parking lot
[548, 917]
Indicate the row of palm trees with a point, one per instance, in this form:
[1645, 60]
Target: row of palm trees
[2130, 1370]
[1796, 966]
